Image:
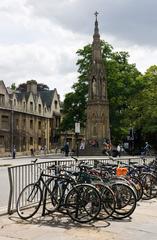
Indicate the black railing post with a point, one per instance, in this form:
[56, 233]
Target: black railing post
[10, 192]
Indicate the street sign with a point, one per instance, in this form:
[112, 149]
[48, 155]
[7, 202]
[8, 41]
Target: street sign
[77, 127]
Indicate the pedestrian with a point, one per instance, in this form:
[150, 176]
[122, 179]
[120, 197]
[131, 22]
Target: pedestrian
[105, 147]
[66, 149]
[41, 150]
[14, 152]
[82, 145]
[109, 147]
[32, 152]
[119, 150]
[147, 148]
[45, 150]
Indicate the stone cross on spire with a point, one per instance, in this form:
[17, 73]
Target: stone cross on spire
[96, 14]
[96, 30]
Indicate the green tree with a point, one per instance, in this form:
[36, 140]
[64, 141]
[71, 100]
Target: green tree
[143, 106]
[122, 84]
[13, 86]
[40, 86]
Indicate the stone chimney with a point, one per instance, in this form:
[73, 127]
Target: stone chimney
[32, 86]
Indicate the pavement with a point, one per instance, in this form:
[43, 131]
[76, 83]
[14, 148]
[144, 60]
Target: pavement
[141, 226]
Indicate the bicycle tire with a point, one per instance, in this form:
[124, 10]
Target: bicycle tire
[108, 201]
[134, 182]
[55, 195]
[29, 201]
[83, 203]
[51, 195]
[138, 186]
[149, 183]
[125, 200]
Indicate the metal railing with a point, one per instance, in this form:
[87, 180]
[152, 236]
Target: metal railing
[22, 175]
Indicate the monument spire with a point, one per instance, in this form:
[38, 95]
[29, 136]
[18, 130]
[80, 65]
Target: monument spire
[96, 46]
[96, 30]
[97, 126]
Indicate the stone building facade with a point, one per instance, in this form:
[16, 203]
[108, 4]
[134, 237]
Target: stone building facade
[97, 125]
[28, 119]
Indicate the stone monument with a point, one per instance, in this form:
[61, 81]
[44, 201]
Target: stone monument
[97, 125]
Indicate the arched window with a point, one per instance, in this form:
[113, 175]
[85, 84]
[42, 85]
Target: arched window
[24, 105]
[56, 104]
[31, 106]
[39, 108]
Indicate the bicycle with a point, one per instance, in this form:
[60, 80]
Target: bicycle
[82, 203]
[118, 196]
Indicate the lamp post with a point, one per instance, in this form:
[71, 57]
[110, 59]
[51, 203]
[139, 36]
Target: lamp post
[12, 127]
[77, 131]
[131, 140]
[76, 107]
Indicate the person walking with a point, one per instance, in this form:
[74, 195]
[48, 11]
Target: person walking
[45, 150]
[14, 152]
[66, 149]
[32, 152]
[147, 148]
[119, 150]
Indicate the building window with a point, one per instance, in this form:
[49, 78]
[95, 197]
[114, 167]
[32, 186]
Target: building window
[56, 103]
[14, 102]
[24, 106]
[31, 141]
[17, 123]
[2, 99]
[31, 124]
[24, 123]
[24, 143]
[57, 122]
[45, 109]
[31, 106]
[5, 122]
[39, 141]
[39, 108]
[1, 140]
[39, 125]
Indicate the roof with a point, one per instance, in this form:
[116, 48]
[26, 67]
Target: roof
[21, 95]
[47, 97]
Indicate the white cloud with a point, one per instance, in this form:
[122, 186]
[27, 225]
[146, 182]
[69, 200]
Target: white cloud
[39, 39]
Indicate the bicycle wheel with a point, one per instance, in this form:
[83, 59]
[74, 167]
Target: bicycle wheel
[83, 203]
[149, 183]
[138, 186]
[51, 195]
[29, 201]
[134, 182]
[55, 193]
[125, 200]
[108, 202]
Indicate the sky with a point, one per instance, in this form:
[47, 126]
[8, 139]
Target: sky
[39, 38]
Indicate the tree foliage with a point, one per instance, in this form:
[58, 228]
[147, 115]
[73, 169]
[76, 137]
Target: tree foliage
[13, 86]
[143, 107]
[122, 84]
[40, 86]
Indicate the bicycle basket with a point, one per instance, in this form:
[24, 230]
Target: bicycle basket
[121, 171]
